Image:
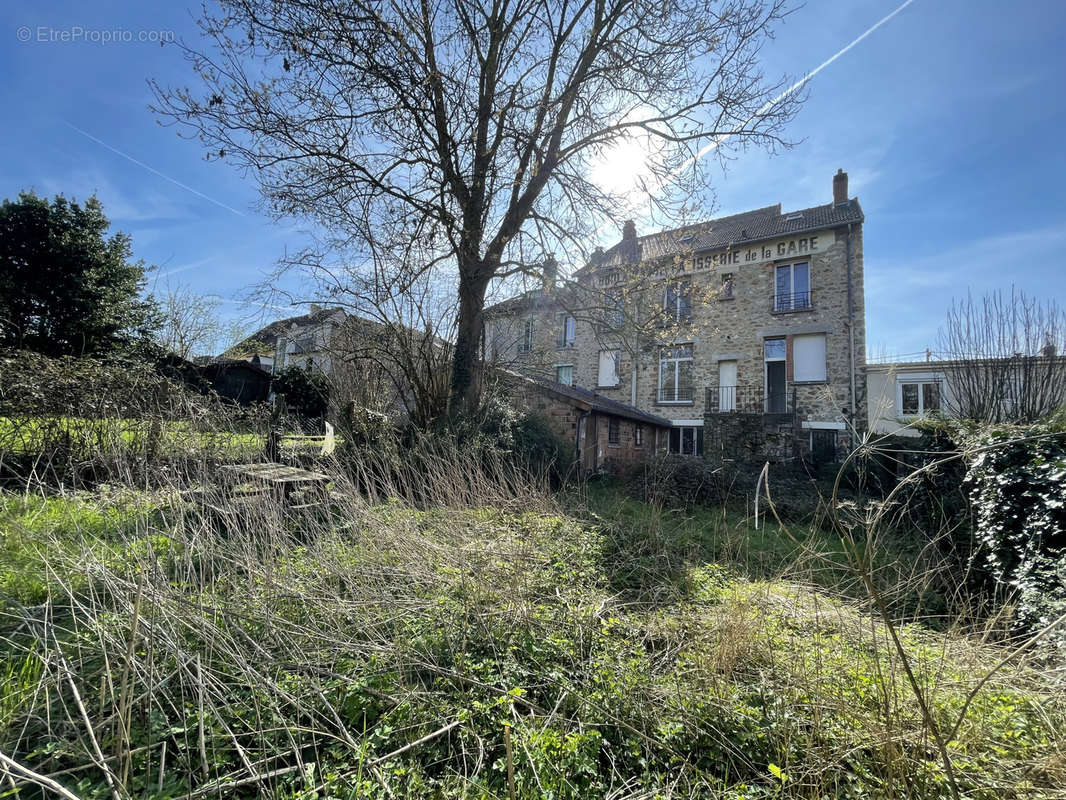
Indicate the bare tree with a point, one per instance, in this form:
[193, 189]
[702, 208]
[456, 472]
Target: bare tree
[394, 353]
[471, 127]
[1005, 357]
[192, 323]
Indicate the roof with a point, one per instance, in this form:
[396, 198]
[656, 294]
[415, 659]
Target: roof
[528, 299]
[226, 364]
[592, 401]
[269, 333]
[745, 228]
[738, 229]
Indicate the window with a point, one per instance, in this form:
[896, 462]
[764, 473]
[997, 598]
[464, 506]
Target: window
[614, 436]
[808, 358]
[727, 286]
[675, 374]
[792, 287]
[638, 435]
[614, 311]
[677, 302]
[917, 397]
[567, 330]
[609, 368]
[526, 343]
[775, 352]
[610, 277]
[686, 440]
[564, 374]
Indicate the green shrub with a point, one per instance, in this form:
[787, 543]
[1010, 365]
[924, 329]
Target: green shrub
[305, 391]
[1016, 480]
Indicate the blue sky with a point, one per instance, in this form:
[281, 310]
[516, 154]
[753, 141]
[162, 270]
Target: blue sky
[949, 119]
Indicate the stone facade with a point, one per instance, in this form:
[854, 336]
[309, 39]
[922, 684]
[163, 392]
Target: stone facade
[794, 280]
[604, 436]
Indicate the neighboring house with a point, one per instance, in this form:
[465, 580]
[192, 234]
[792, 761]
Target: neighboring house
[757, 342]
[901, 393]
[305, 341]
[605, 435]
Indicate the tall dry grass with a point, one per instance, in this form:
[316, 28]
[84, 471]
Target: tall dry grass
[440, 628]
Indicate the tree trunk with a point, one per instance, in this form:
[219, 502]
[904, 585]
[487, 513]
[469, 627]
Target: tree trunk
[471, 322]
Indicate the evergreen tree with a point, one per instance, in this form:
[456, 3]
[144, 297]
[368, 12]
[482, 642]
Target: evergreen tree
[66, 288]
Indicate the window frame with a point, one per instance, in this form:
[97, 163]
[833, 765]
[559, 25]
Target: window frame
[695, 437]
[795, 362]
[921, 381]
[676, 361]
[557, 376]
[614, 432]
[792, 305]
[638, 435]
[727, 286]
[567, 332]
[617, 369]
[682, 299]
[525, 344]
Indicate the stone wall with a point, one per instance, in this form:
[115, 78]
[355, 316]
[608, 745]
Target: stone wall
[598, 453]
[723, 326]
[751, 438]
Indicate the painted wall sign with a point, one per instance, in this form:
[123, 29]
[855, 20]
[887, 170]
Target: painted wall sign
[782, 248]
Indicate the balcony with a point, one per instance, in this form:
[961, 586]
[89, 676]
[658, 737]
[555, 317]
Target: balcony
[676, 394]
[750, 400]
[786, 302]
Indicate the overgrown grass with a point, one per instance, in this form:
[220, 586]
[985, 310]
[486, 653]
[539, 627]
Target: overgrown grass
[379, 650]
[917, 580]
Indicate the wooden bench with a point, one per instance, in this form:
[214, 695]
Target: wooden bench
[278, 481]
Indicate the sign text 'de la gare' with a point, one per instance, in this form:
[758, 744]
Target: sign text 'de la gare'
[781, 249]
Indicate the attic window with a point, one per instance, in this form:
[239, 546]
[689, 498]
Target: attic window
[688, 238]
[794, 217]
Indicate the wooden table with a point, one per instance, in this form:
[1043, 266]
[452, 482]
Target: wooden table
[279, 479]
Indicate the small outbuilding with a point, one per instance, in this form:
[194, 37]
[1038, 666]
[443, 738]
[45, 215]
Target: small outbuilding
[606, 435]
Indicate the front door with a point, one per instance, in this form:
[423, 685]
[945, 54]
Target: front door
[775, 387]
[823, 446]
[727, 386]
[590, 442]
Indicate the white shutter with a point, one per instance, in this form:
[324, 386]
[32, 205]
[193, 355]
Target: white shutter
[808, 357]
[608, 368]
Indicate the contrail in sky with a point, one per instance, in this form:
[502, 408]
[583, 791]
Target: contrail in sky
[797, 85]
[153, 170]
[771, 103]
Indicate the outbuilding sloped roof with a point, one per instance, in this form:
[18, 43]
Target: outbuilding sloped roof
[586, 398]
[604, 405]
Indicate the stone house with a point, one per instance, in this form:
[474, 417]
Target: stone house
[605, 435]
[305, 341]
[746, 332]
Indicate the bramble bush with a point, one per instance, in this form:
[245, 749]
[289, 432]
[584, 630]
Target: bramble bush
[1016, 481]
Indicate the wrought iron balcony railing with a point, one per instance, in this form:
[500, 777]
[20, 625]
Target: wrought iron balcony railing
[676, 394]
[749, 400]
[792, 301]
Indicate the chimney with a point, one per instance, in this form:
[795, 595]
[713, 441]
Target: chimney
[840, 188]
[551, 272]
[629, 249]
[315, 308]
